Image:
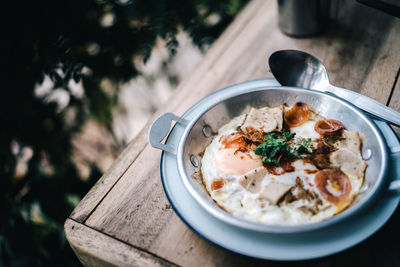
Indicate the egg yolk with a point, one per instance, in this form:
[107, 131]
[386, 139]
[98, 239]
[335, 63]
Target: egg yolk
[234, 162]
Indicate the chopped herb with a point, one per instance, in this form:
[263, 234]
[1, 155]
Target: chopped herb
[277, 145]
[288, 135]
[303, 144]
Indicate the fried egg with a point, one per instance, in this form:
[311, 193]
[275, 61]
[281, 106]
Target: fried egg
[299, 191]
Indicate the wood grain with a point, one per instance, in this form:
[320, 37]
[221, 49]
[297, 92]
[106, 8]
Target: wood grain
[394, 101]
[128, 203]
[108, 251]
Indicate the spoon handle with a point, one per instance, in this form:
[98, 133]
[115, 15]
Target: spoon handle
[367, 104]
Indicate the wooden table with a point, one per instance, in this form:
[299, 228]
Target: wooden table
[126, 219]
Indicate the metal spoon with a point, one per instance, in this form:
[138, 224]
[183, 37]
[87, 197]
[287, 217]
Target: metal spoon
[299, 69]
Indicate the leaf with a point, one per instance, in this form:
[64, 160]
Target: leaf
[288, 135]
[276, 145]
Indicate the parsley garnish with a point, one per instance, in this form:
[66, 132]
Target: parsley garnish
[276, 145]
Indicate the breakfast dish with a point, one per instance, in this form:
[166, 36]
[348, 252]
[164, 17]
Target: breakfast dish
[303, 242]
[283, 166]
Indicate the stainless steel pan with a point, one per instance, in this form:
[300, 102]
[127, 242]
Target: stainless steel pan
[219, 110]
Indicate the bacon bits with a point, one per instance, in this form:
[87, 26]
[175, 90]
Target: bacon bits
[217, 184]
[297, 115]
[328, 127]
[334, 185]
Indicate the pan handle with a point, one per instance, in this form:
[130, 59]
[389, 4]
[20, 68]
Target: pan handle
[160, 129]
[395, 165]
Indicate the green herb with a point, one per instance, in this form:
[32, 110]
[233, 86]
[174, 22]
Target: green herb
[288, 135]
[303, 144]
[282, 144]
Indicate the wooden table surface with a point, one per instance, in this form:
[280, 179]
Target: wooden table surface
[126, 219]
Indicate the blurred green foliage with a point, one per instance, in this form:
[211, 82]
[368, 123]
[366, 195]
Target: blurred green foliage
[63, 43]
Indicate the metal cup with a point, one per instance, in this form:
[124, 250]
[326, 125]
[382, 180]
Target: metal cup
[302, 18]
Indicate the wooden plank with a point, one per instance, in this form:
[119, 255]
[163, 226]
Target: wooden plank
[395, 100]
[136, 211]
[96, 249]
[382, 72]
[105, 183]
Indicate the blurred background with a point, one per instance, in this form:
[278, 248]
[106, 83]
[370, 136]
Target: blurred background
[79, 81]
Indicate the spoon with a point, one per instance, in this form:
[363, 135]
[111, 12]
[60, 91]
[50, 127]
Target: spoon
[299, 69]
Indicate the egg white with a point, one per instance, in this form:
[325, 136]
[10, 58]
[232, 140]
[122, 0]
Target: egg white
[238, 201]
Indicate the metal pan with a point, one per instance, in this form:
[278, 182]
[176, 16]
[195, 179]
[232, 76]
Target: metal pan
[222, 108]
